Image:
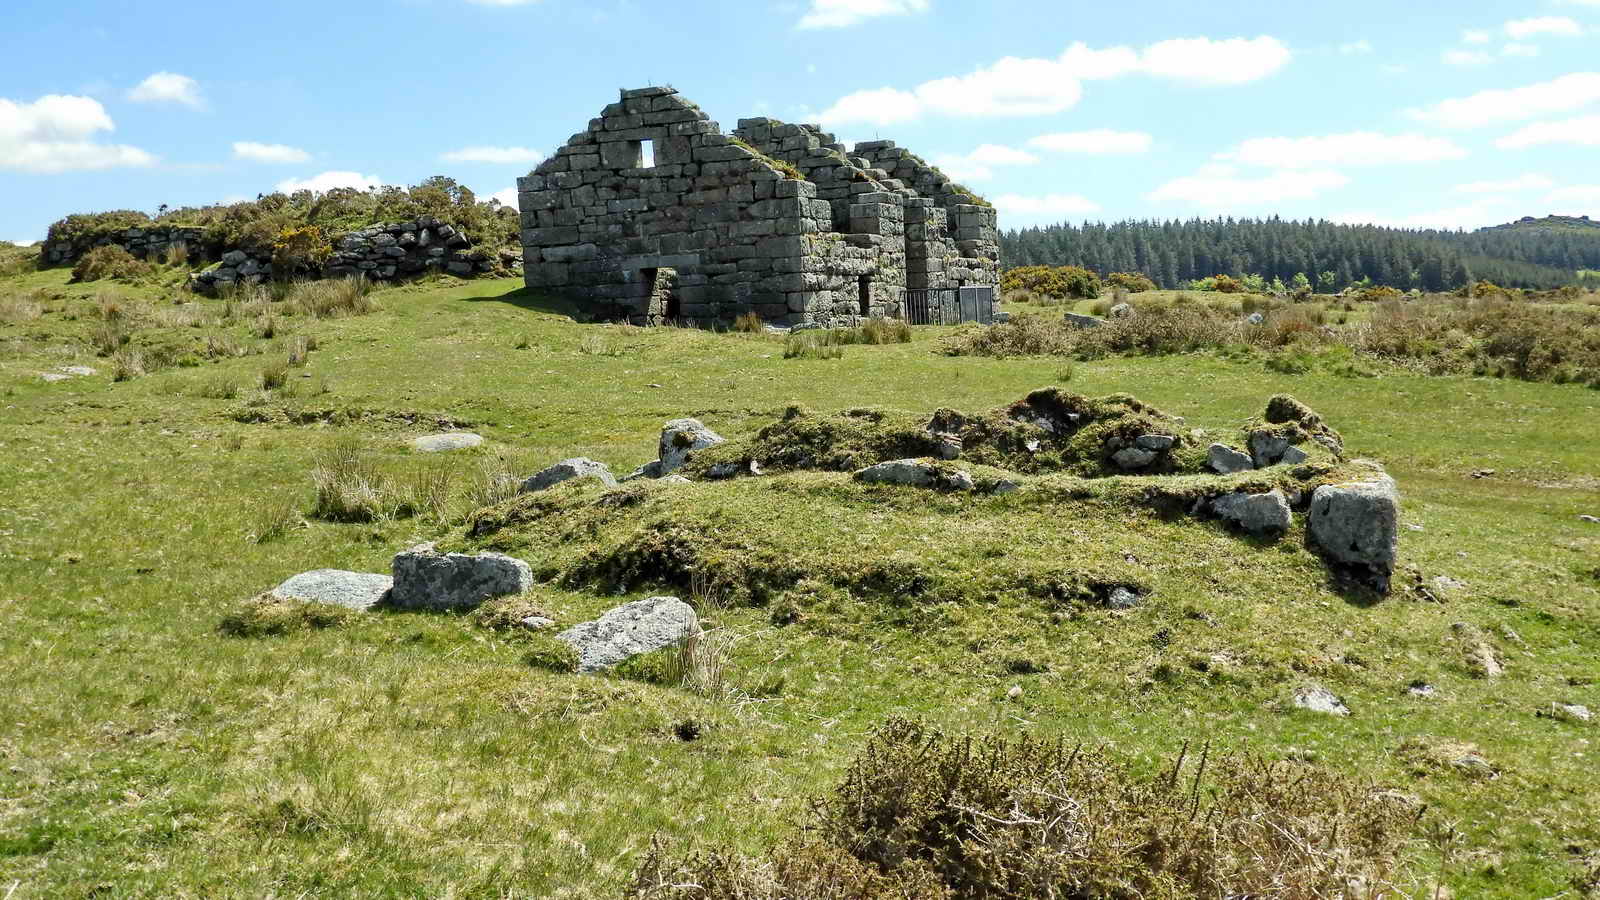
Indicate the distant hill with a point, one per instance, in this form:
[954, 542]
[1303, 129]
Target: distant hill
[1529, 253]
[1548, 223]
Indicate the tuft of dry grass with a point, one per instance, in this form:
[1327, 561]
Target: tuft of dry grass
[923, 815]
[127, 363]
[274, 375]
[332, 298]
[350, 488]
[748, 323]
[15, 310]
[508, 613]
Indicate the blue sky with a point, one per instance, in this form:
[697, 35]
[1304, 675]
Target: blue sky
[1454, 115]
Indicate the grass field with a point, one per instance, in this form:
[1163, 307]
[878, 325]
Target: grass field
[144, 753]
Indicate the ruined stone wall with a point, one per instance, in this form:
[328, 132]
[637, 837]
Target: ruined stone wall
[963, 248]
[389, 252]
[149, 243]
[775, 218]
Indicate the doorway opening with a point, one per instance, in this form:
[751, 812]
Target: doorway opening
[864, 294]
[663, 303]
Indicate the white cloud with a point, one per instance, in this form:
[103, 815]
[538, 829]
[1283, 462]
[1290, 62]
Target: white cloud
[1015, 86]
[843, 13]
[1558, 95]
[168, 87]
[1466, 57]
[1583, 131]
[1202, 60]
[1559, 26]
[1356, 48]
[1039, 206]
[269, 153]
[1475, 36]
[507, 197]
[884, 106]
[1523, 50]
[1529, 182]
[1098, 140]
[1358, 148]
[1574, 200]
[327, 181]
[55, 134]
[979, 165]
[498, 155]
[1219, 187]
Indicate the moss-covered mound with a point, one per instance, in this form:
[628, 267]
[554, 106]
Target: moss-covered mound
[1048, 431]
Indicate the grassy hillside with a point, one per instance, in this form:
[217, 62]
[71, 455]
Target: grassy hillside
[147, 753]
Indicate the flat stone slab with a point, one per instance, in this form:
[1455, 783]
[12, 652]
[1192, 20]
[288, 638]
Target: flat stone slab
[629, 630]
[427, 579]
[568, 469]
[915, 473]
[64, 373]
[360, 591]
[440, 443]
[1077, 320]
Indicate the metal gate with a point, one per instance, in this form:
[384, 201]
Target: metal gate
[949, 306]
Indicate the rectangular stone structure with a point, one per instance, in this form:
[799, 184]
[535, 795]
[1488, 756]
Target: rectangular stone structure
[774, 218]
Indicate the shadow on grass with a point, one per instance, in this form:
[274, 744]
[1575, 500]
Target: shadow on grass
[537, 301]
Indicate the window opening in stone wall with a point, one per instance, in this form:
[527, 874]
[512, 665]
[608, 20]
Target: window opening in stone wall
[864, 290]
[647, 154]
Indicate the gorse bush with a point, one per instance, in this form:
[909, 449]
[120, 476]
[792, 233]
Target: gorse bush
[923, 815]
[1132, 282]
[1057, 282]
[110, 261]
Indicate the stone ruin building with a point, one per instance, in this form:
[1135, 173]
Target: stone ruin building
[655, 214]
